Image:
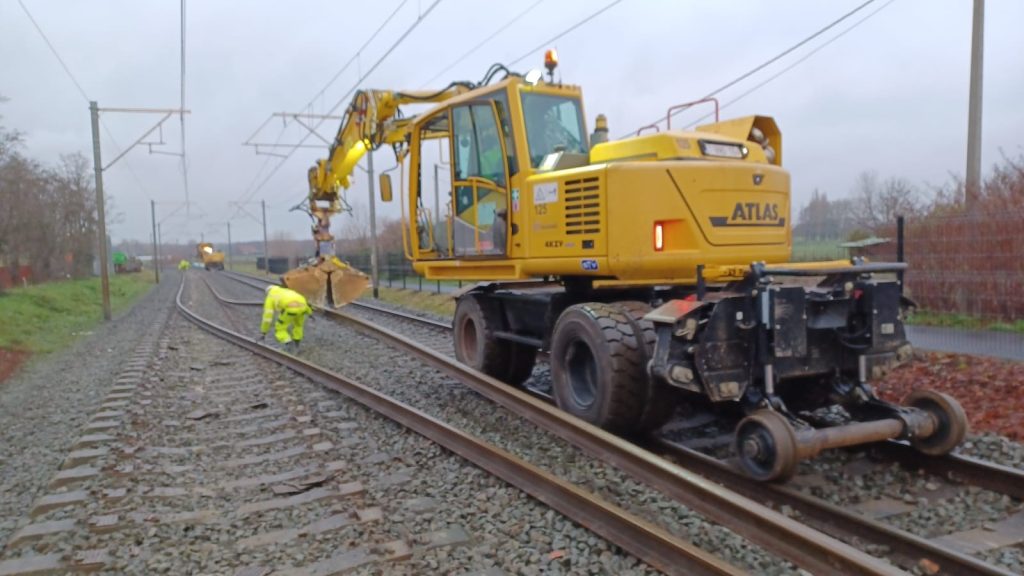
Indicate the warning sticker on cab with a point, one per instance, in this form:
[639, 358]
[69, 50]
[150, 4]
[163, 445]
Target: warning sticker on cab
[545, 193]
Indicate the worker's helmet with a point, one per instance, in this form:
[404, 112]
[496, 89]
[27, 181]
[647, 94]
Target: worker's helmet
[269, 288]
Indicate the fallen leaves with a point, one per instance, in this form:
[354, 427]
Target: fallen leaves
[991, 390]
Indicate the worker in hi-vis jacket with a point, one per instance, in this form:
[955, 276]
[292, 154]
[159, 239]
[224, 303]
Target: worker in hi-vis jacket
[291, 309]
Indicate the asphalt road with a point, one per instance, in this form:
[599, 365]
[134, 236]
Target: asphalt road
[1008, 345]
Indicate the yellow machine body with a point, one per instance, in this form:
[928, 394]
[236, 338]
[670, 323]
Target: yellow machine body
[643, 210]
[677, 239]
[371, 120]
[211, 259]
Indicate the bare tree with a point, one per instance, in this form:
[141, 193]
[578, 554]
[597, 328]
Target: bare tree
[878, 203]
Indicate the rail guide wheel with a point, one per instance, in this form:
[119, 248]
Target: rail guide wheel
[950, 420]
[766, 446]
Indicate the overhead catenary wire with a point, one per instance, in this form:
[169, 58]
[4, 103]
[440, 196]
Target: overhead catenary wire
[250, 191]
[523, 57]
[85, 96]
[54, 50]
[802, 59]
[768, 62]
[556, 37]
[483, 42]
[341, 100]
[355, 56]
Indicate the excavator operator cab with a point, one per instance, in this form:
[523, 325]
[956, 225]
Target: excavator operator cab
[493, 141]
[554, 124]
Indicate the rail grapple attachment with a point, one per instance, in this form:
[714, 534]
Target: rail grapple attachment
[790, 353]
[327, 282]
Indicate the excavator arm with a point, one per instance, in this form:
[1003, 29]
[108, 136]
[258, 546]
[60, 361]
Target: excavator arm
[374, 118]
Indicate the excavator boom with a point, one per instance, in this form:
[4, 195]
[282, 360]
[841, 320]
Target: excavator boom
[374, 118]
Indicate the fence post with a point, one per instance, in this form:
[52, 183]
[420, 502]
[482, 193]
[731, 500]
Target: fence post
[899, 249]
[438, 286]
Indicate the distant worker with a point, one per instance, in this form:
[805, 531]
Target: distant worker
[291, 309]
[183, 265]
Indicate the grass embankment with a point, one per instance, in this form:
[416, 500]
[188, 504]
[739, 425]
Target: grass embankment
[963, 322]
[440, 304]
[47, 317]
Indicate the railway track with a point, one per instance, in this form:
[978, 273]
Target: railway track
[903, 548]
[800, 544]
[650, 543]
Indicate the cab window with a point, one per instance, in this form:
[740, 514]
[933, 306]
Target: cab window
[553, 124]
[477, 145]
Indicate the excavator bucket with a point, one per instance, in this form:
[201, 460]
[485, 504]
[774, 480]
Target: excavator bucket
[309, 281]
[347, 285]
[330, 282]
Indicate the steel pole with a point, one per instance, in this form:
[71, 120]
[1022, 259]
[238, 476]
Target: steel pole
[266, 250]
[156, 252]
[373, 228]
[437, 199]
[229, 246]
[100, 212]
[973, 183]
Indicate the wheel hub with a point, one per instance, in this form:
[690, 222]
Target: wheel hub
[754, 448]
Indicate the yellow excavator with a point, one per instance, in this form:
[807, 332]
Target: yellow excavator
[372, 120]
[211, 259]
[653, 270]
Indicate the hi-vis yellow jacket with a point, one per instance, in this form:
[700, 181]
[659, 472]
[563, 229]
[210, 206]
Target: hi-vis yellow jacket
[285, 302]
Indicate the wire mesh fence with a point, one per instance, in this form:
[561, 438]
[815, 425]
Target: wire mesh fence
[397, 272]
[966, 275]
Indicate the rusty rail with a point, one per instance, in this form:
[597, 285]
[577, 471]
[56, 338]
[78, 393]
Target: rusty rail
[650, 543]
[985, 475]
[908, 549]
[804, 546]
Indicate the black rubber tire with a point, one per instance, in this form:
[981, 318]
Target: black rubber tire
[775, 459]
[476, 320]
[951, 419]
[659, 399]
[521, 360]
[597, 366]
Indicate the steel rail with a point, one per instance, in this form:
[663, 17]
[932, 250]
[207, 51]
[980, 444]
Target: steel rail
[804, 546]
[980, 473]
[908, 548]
[405, 315]
[650, 543]
[842, 523]
[983, 474]
[433, 323]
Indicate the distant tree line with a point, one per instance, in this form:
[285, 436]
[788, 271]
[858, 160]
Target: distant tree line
[875, 203]
[47, 212]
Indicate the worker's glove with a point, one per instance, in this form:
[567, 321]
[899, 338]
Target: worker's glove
[263, 336]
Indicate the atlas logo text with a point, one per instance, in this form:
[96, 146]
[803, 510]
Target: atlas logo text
[765, 214]
[755, 211]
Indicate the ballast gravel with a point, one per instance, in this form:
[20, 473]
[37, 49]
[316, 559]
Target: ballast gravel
[377, 365]
[933, 507]
[44, 407]
[433, 490]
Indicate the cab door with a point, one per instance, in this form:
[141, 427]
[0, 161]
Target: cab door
[478, 224]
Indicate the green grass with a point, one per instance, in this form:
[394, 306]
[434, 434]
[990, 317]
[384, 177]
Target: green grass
[440, 304]
[48, 317]
[243, 267]
[817, 250]
[963, 322]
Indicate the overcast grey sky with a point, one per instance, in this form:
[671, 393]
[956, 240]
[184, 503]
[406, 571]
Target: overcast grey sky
[889, 96]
